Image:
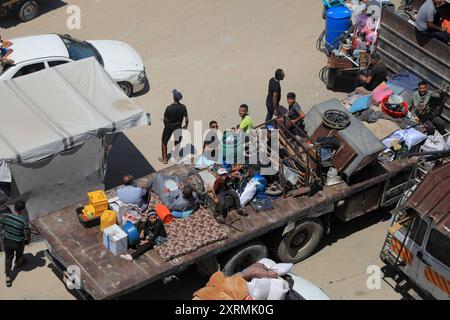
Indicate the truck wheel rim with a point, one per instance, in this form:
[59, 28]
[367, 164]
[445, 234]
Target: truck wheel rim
[29, 11]
[300, 239]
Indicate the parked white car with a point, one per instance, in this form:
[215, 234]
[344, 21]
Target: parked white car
[35, 53]
[305, 290]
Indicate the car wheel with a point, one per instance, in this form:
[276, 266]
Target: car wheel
[28, 11]
[301, 242]
[126, 88]
[243, 257]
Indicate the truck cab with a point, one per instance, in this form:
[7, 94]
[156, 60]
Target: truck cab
[418, 242]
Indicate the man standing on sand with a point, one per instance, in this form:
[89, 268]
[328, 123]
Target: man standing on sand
[173, 120]
[16, 234]
[274, 94]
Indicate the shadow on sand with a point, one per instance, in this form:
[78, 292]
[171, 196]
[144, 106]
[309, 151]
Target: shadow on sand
[31, 262]
[124, 158]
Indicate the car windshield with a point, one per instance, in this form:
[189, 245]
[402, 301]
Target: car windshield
[79, 50]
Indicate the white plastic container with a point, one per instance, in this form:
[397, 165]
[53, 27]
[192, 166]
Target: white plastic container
[115, 240]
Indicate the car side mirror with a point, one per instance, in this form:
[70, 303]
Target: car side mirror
[419, 254]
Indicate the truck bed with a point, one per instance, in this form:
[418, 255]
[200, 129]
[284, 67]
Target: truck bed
[105, 276]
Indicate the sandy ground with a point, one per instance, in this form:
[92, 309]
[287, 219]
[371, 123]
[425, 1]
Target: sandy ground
[220, 54]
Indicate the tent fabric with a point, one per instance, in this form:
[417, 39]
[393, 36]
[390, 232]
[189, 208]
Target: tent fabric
[362, 141]
[47, 112]
[54, 183]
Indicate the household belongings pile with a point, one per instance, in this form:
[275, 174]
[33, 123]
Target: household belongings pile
[357, 146]
[261, 281]
[386, 113]
[120, 226]
[361, 38]
[190, 234]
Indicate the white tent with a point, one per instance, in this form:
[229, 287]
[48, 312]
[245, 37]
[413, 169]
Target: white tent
[52, 127]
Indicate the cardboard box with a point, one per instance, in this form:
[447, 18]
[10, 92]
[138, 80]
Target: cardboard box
[115, 240]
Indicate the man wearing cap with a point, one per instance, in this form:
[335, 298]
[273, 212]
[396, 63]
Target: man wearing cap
[376, 75]
[221, 191]
[425, 21]
[173, 120]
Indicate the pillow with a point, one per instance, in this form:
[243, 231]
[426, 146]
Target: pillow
[182, 215]
[361, 104]
[381, 92]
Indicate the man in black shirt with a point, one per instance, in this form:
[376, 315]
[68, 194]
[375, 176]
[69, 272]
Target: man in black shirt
[376, 75]
[173, 120]
[274, 95]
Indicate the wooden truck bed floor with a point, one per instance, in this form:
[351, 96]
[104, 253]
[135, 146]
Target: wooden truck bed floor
[105, 276]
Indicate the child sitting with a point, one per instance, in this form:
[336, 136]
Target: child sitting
[152, 233]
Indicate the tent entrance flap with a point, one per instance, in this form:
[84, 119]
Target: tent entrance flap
[60, 181]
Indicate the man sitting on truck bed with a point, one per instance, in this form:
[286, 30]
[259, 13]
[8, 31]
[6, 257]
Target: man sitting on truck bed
[181, 200]
[424, 108]
[221, 191]
[425, 22]
[376, 75]
[130, 194]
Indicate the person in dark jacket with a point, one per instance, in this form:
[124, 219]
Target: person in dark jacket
[174, 116]
[152, 233]
[16, 235]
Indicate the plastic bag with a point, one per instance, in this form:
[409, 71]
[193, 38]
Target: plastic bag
[278, 289]
[248, 194]
[413, 137]
[259, 288]
[267, 262]
[282, 268]
[434, 143]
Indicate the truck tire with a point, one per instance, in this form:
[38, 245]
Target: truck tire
[243, 257]
[301, 242]
[28, 11]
